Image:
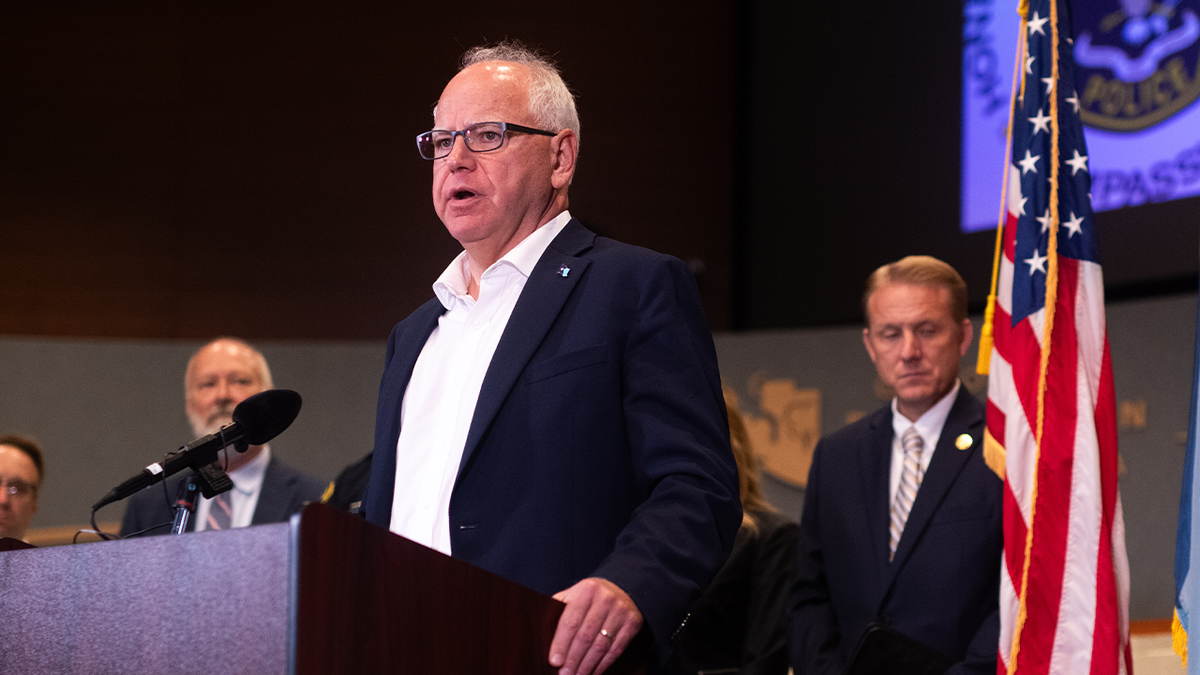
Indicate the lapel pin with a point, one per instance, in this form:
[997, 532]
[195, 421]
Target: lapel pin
[963, 442]
[564, 271]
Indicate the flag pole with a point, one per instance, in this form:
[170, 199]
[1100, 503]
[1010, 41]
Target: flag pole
[986, 342]
[1048, 329]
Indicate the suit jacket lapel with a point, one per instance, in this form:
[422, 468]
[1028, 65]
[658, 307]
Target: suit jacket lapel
[271, 500]
[875, 461]
[948, 462]
[535, 312]
[407, 347]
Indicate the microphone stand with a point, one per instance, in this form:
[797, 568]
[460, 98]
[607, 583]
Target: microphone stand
[185, 503]
[209, 480]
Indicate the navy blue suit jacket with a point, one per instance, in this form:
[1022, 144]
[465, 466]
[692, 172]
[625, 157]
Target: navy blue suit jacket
[943, 586]
[284, 491]
[599, 445]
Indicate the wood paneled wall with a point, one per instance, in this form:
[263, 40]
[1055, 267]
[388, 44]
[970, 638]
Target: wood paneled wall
[180, 170]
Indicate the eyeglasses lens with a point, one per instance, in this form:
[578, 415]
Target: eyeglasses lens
[480, 137]
[18, 489]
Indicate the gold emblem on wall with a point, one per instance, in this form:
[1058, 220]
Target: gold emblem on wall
[786, 427]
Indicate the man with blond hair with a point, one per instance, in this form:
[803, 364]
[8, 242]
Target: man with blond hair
[901, 529]
[219, 376]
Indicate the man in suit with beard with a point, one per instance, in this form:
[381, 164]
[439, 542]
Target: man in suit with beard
[220, 375]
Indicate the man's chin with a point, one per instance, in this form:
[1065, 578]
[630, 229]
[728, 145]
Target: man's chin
[921, 395]
[212, 427]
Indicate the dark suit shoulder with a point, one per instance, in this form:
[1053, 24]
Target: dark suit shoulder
[968, 406]
[422, 315]
[863, 428]
[285, 491]
[151, 507]
[578, 240]
[351, 484]
[307, 486]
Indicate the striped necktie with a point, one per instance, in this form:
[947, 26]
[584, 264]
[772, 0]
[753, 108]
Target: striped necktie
[906, 492]
[220, 513]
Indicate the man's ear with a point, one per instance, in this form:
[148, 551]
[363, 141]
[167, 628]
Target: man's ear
[968, 332]
[564, 147]
[868, 345]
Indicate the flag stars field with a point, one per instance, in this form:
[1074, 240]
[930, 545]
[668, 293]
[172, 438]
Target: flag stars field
[1029, 163]
[1077, 162]
[1044, 219]
[1036, 25]
[1074, 225]
[1041, 122]
[1037, 263]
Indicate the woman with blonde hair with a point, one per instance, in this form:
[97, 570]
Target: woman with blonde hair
[738, 625]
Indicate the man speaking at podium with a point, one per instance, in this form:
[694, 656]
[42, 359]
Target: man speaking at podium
[555, 414]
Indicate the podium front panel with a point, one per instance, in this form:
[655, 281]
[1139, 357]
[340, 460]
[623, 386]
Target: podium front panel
[210, 602]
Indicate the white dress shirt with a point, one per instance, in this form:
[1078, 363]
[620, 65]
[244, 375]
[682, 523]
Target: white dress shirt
[929, 426]
[243, 498]
[439, 403]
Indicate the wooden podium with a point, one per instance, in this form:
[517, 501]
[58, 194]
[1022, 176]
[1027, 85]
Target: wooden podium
[325, 593]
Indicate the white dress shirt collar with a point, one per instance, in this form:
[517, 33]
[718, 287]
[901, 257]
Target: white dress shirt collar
[455, 280]
[929, 424]
[248, 478]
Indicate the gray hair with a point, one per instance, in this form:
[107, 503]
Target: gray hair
[257, 361]
[550, 101]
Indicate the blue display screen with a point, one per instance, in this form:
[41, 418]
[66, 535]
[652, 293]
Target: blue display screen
[1137, 87]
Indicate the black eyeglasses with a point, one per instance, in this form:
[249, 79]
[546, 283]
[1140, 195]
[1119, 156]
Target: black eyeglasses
[481, 137]
[18, 489]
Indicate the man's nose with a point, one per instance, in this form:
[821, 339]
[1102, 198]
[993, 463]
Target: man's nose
[910, 348]
[460, 155]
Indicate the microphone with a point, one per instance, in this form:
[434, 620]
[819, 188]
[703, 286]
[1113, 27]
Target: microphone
[256, 420]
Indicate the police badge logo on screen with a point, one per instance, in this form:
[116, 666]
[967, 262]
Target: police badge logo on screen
[1137, 61]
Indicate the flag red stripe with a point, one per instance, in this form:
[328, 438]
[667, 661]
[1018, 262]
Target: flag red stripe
[1106, 640]
[1020, 348]
[995, 422]
[1056, 458]
[1014, 531]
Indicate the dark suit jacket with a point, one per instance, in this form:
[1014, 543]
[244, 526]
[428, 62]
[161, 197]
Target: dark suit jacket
[284, 492]
[346, 492]
[739, 624]
[943, 586]
[599, 444]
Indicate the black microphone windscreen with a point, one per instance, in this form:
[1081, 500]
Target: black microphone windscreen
[266, 414]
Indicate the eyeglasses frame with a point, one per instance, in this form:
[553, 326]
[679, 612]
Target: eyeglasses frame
[12, 488]
[505, 127]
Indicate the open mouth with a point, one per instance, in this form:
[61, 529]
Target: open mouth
[463, 194]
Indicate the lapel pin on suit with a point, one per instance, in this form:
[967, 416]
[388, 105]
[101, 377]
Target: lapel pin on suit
[564, 271]
[963, 442]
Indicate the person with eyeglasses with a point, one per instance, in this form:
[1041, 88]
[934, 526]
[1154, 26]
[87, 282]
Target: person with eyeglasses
[21, 474]
[554, 415]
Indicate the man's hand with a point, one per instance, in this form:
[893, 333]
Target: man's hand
[598, 624]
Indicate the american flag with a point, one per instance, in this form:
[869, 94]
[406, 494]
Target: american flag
[1051, 427]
